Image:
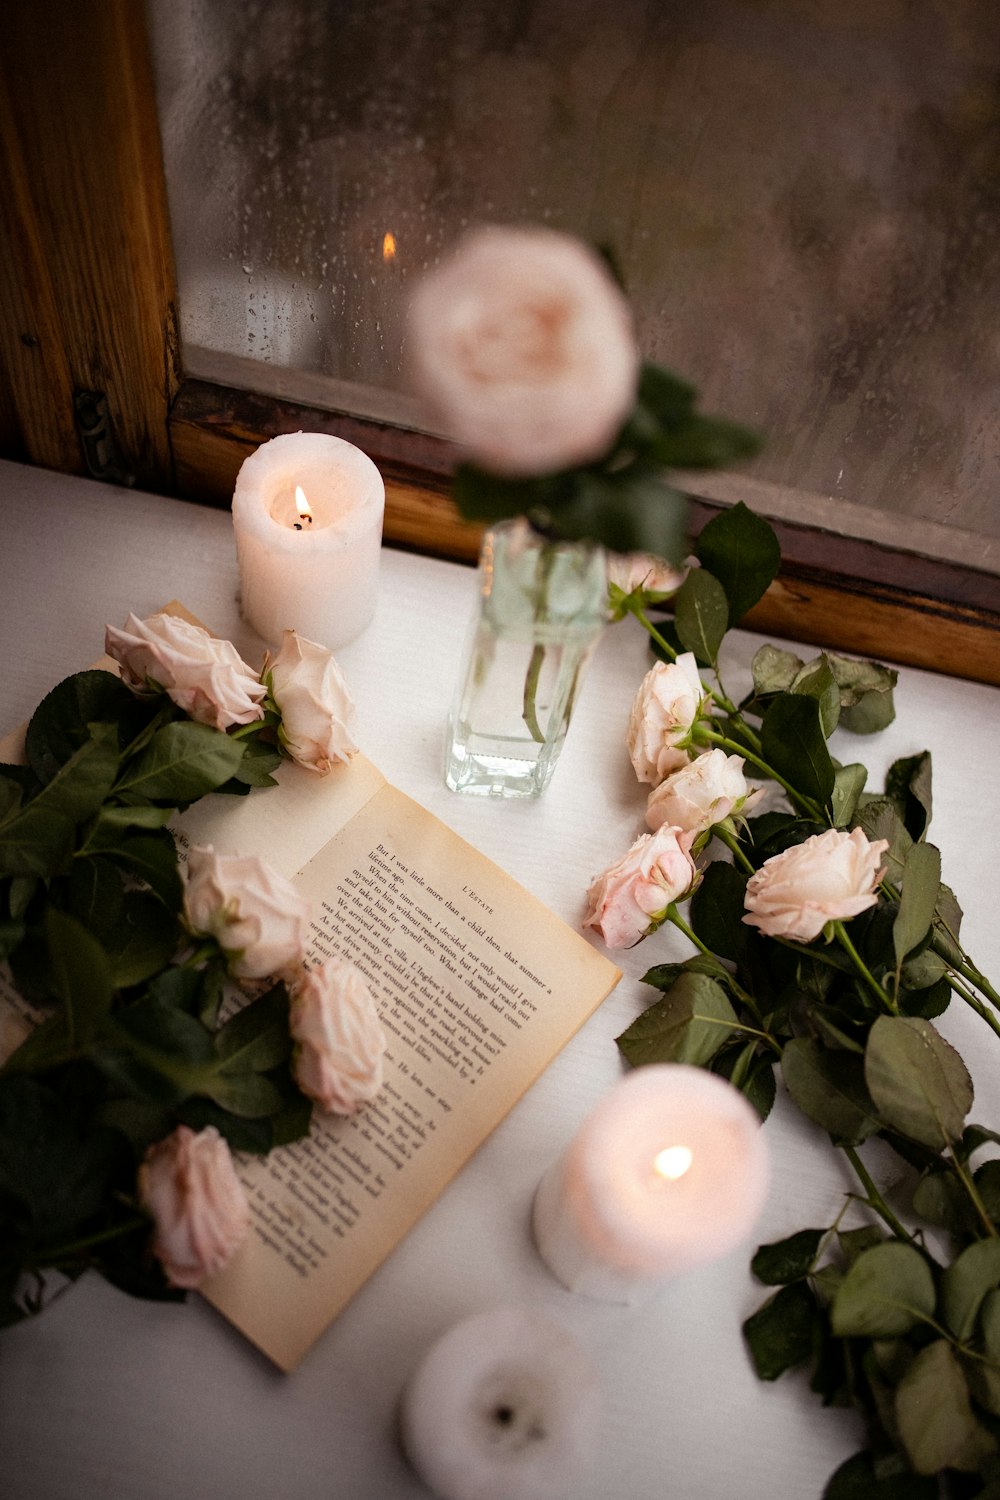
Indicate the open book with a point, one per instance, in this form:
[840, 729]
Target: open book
[478, 986]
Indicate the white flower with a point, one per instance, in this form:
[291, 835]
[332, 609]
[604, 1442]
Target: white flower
[317, 712]
[523, 344]
[189, 1185]
[702, 793]
[630, 899]
[340, 1040]
[205, 677]
[665, 708]
[632, 570]
[256, 915]
[827, 878]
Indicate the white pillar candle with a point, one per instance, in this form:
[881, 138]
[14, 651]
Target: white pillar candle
[668, 1172]
[307, 513]
[503, 1407]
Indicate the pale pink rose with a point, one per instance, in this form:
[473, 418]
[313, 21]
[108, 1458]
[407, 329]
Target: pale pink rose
[317, 712]
[631, 898]
[700, 794]
[339, 1038]
[523, 344]
[254, 913]
[665, 708]
[205, 677]
[189, 1186]
[633, 570]
[827, 878]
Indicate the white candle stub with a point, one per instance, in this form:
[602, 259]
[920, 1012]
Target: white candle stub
[503, 1407]
[307, 513]
[668, 1172]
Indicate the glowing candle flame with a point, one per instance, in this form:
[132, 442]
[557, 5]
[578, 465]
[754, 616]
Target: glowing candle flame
[673, 1162]
[303, 507]
[388, 246]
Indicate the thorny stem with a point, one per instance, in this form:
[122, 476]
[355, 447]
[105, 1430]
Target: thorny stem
[874, 1198]
[974, 1002]
[733, 844]
[973, 1195]
[880, 994]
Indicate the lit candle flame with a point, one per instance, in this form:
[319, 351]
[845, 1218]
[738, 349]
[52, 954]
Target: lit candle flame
[673, 1162]
[303, 507]
[388, 246]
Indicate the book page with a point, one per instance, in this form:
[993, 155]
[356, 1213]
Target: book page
[478, 986]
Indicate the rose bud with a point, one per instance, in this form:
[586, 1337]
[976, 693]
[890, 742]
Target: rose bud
[630, 900]
[257, 917]
[339, 1038]
[189, 1186]
[828, 878]
[317, 713]
[205, 677]
[663, 713]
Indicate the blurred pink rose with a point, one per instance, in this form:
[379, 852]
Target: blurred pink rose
[702, 793]
[632, 570]
[254, 913]
[189, 1185]
[631, 898]
[205, 677]
[317, 712]
[340, 1040]
[523, 344]
[665, 708]
[827, 878]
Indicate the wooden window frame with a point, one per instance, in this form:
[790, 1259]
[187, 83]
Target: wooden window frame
[88, 305]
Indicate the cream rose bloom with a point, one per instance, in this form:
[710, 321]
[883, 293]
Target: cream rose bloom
[827, 878]
[339, 1038]
[254, 913]
[205, 677]
[189, 1186]
[700, 794]
[317, 711]
[631, 898]
[632, 570]
[665, 707]
[523, 344]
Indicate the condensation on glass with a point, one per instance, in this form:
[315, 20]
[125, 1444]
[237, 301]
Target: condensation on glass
[804, 198]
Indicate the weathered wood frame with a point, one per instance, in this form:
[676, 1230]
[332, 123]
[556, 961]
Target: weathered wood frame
[87, 303]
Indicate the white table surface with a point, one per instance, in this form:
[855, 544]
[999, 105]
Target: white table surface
[105, 1396]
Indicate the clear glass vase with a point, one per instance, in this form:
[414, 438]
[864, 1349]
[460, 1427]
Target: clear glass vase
[542, 607]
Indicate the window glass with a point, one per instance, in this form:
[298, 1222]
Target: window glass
[803, 197]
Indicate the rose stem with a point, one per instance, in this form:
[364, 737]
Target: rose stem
[674, 916]
[875, 1199]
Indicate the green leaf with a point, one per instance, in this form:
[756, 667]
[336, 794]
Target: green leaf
[848, 784]
[792, 742]
[152, 857]
[887, 1290]
[256, 1038]
[145, 940]
[631, 513]
[918, 899]
[908, 783]
[789, 1259]
[81, 974]
[750, 1071]
[879, 819]
[11, 796]
[36, 841]
[854, 1242]
[182, 762]
[50, 1161]
[934, 1415]
[989, 1319]
[865, 693]
[81, 784]
[95, 896]
[966, 1282]
[781, 1333]
[156, 1052]
[61, 723]
[704, 443]
[948, 925]
[940, 1199]
[252, 1135]
[259, 760]
[918, 1082]
[701, 614]
[688, 1025]
[668, 399]
[112, 822]
[829, 1088]
[741, 550]
[987, 1180]
[857, 1480]
[486, 497]
[250, 1095]
[717, 908]
[816, 680]
[663, 976]
[774, 671]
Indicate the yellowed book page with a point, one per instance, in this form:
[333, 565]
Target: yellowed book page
[478, 986]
